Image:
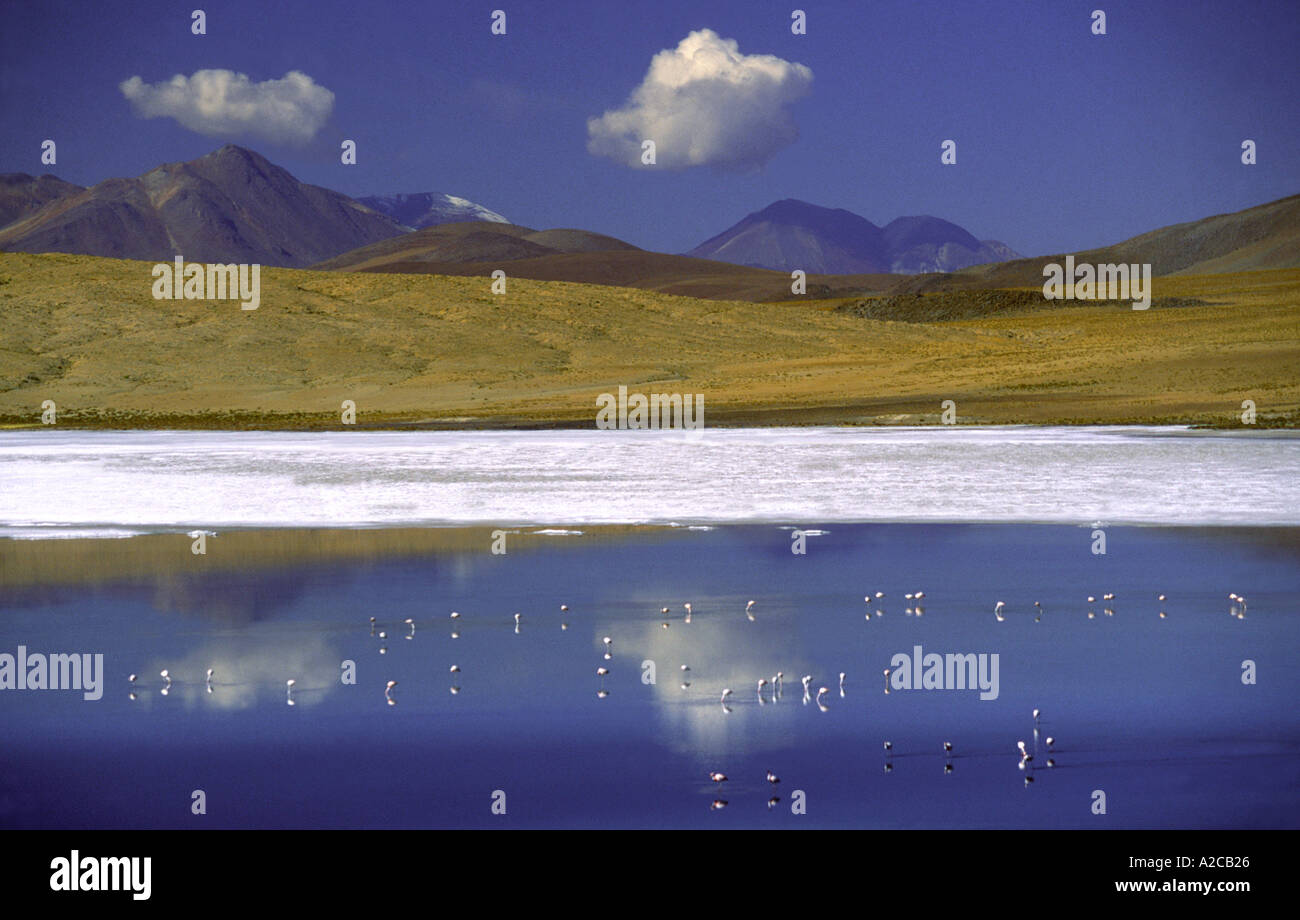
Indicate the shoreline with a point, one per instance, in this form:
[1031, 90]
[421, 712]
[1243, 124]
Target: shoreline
[34, 564]
[68, 485]
[773, 417]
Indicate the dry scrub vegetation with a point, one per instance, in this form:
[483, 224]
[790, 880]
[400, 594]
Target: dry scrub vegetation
[445, 352]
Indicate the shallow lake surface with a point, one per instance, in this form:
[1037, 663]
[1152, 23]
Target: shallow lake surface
[1149, 710]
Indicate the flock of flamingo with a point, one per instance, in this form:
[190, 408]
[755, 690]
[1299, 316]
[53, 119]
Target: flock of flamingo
[773, 685]
[768, 689]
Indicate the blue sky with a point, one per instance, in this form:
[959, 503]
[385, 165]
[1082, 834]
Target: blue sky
[1065, 139]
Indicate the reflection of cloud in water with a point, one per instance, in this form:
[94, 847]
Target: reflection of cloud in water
[463, 569]
[247, 672]
[722, 651]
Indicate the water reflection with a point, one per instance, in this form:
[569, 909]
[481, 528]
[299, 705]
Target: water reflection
[1152, 708]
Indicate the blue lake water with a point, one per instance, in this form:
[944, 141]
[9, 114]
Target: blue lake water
[1150, 710]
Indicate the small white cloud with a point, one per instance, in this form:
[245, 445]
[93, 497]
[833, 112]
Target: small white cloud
[704, 103]
[222, 103]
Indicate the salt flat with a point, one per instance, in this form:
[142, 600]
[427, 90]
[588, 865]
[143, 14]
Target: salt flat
[77, 483]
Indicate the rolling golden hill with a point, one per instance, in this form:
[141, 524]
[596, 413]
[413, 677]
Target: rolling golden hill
[420, 349]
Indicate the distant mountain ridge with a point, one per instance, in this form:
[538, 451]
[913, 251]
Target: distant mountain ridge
[465, 241]
[232, 205]
[792, 234]
[21, 194]
[1266, 236]
[429, 209]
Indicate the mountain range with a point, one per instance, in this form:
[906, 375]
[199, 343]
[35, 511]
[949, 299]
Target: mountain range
[1263, 237]
[234, 205]
[789, 235]
[429, 209]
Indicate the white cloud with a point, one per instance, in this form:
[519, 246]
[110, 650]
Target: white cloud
[222, 103]
[704, 103]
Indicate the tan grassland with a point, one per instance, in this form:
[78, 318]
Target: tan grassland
[438, 351]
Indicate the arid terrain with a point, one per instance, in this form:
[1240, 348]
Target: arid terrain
[437, 351]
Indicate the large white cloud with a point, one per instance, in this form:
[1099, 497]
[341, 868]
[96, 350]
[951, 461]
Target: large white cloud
[704, 103]
[222, 103]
